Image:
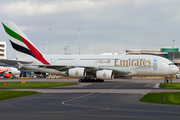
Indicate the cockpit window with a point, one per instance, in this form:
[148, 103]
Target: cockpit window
[171, 63]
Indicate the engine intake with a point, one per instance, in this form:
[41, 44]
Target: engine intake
[77, 72]
[105, 74]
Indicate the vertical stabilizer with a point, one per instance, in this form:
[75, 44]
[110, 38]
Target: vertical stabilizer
[21, 43]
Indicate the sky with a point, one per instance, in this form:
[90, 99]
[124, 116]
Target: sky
[110, 26]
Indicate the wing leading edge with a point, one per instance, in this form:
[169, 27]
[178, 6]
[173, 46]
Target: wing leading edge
[118, 72]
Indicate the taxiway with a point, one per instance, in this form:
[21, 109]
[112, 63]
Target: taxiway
[117, 99]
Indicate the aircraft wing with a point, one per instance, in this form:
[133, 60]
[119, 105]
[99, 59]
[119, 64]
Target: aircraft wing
[118, 72]
[14, 62]
[121, 72]
[57, 67]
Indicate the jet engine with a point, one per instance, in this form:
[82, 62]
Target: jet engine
[77, 72]
[7, 75]
[104, 74]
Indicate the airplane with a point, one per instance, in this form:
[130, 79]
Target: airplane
[7, 72]
[86, 67]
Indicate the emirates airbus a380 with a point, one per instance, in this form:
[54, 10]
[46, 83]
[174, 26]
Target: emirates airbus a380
[85, 67]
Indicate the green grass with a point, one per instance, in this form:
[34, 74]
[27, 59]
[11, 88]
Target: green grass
[170, 85]
[163, 98]
[4, 95]
[29, 85]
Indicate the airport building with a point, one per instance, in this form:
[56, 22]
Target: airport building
[2, 50]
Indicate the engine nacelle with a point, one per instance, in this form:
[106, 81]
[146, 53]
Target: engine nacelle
[7, 75]
[104, 74]
[77, 72]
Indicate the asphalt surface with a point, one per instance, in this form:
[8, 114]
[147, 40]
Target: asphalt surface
[108, 100]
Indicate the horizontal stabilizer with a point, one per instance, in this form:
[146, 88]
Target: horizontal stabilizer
[14, 62]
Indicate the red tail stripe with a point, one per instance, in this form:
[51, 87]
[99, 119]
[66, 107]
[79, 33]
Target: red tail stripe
[36, 53]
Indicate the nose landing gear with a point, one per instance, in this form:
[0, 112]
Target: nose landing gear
[166, 80]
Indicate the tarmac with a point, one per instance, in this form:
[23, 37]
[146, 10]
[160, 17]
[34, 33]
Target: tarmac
[112, 99]
[151, 82]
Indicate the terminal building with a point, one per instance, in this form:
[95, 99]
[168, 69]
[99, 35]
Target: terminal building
[2, 50]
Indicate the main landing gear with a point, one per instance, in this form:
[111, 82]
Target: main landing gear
[166, 80]
[90, 80]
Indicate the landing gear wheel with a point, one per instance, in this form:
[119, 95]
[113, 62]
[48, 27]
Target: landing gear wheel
[90, 80]
[81, 80]
[166, 80]
[99, 80]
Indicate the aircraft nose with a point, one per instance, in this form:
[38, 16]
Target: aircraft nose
[18, 72]
[174, 69]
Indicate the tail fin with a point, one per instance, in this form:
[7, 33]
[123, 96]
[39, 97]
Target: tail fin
[21, 43]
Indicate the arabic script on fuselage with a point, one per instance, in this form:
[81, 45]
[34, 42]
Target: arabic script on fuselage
[103, 61]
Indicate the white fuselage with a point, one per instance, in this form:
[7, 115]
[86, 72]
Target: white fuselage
[141, 65]
[13, 71]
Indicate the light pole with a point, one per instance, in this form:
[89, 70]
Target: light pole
[79, 29]
[173, 51]
[66, 47]
[91, 49]
[46, 42]
[50, 39]
[103, 49]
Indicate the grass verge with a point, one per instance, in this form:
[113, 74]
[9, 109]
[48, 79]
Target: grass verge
[163, 98]
[170, 85]
[29, 85]
[4, 95]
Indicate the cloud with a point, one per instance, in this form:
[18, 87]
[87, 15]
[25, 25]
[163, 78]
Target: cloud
[116, 25]
[34, 8]
[23, 28]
